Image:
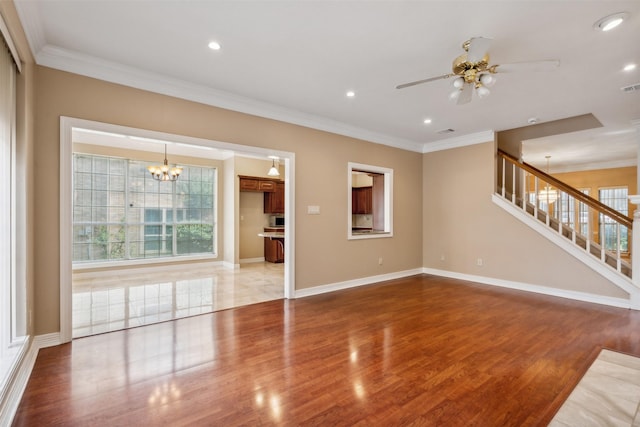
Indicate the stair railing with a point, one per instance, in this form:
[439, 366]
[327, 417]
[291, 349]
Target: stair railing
[537, 192]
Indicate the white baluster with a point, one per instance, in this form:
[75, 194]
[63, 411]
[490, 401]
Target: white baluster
[504, 169]
[513, 183]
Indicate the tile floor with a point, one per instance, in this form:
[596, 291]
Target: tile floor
[607, 395]
[128, 298]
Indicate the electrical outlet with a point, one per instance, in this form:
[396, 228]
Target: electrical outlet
[442, 257]
[479, 262]
[380, 261]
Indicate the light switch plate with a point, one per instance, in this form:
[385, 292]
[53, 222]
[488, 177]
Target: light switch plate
[313, 210]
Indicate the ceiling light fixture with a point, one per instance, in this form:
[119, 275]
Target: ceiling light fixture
[629, 67]
[427, 121]
[610, 22]
[214, 46]
[273, 171]
[351, 94]
[547, 194]
[164, 172]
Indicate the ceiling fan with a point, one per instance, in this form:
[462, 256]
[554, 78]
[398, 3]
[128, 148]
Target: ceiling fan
[474, 72]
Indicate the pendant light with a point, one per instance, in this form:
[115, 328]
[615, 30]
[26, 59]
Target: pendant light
[274, 170]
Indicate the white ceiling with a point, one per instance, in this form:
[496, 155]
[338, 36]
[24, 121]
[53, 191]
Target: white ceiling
[295, 60]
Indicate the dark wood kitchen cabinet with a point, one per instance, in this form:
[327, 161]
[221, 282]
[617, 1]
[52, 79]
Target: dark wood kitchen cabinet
[273, 247]
[274, 201]
[361, 200]
[259, 184]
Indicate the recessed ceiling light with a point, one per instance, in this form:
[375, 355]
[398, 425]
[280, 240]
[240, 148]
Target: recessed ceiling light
[629, 67]
[427, 121]
[214, 46]
[351, 94]
[610, 22]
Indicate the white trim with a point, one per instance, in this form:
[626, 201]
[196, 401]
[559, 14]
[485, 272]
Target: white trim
[29, 15]
[555, 292]
[613, 164]
[338, 286]
[460, 141]
[47, 340]
[66, 148]
[143, 269]
[79, 266]
[86, 65]
[616, 278]
[26, 360]
[388, 201]
[251, 260]
[16, 383]
[66, 228]
[12, 47]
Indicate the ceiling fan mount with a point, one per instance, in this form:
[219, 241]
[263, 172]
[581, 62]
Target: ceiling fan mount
[472, 70]
[467, 69]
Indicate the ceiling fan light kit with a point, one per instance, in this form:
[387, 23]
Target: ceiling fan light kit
[473, 72]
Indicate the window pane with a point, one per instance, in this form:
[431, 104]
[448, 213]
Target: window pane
[116, 197]
[610, 232]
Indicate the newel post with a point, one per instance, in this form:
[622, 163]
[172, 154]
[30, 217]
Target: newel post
[635, 252]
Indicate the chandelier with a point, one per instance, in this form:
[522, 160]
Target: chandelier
[164, 172]
[547, 194]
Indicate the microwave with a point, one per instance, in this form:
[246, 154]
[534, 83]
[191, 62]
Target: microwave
[276, 221]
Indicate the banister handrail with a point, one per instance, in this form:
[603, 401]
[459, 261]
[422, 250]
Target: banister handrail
[587, 200]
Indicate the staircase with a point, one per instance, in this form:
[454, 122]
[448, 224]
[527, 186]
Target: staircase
[566, 215]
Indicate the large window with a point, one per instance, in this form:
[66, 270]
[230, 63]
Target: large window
[120, 212]
[616, 198]
[13, 209]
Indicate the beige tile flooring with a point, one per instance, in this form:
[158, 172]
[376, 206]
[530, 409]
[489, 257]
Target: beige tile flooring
[126, 298]
[607, 395]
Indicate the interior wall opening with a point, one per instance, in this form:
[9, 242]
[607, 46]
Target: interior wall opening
[138, 249]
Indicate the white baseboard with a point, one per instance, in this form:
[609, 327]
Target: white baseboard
[231, 265]
[24, 367]
[47, 340]
[251, 260]
[323, 289]
[562, 293]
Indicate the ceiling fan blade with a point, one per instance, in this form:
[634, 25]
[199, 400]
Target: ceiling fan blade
[465, 96]
[517, 67]
[417, 82]
[478, 48]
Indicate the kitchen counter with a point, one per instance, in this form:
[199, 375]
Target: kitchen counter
[272, 234]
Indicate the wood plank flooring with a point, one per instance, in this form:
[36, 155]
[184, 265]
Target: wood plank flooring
[423, 350]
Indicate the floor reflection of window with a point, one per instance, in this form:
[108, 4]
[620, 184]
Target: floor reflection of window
[125, 298]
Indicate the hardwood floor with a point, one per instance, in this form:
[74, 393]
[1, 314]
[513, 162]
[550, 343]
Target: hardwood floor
[417, 351]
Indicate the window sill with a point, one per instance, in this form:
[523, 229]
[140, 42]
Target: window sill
[140, 262]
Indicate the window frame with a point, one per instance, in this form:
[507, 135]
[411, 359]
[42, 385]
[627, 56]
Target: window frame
[128, 258]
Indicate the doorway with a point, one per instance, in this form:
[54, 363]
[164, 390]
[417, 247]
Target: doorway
[143, 275]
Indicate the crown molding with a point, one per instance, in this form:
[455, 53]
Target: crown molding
[460, 141]
[89, 66]
[31, 23]
[613, 164]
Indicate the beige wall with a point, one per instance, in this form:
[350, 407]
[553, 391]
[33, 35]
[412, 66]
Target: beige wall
[323, 253]
[463, 224]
